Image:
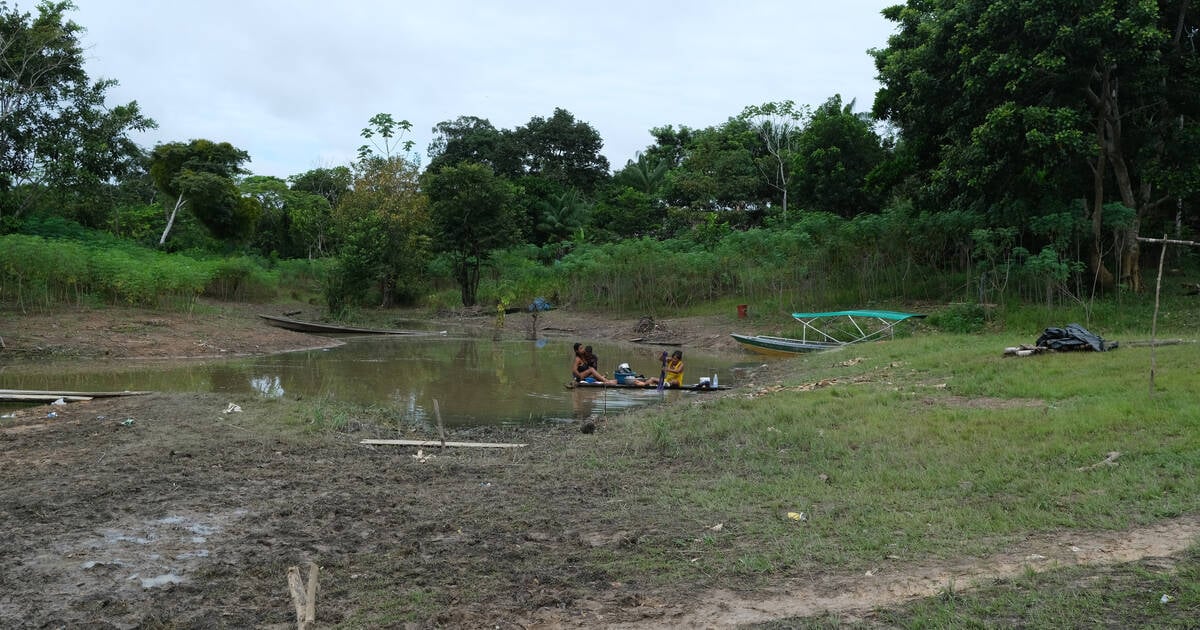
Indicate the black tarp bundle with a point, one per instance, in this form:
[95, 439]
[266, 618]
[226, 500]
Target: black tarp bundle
[1073, 337]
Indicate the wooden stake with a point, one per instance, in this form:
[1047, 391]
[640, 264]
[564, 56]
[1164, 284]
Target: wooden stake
[310, 603]
[1154, 322]
[304, 597]
[437, 411]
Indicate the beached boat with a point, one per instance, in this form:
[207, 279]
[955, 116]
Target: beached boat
[696, 387]
[318, 327]
[779, 346]
[824, 331]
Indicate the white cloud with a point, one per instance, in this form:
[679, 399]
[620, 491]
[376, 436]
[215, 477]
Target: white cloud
[293, 82]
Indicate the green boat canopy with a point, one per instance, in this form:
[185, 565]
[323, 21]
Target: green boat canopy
[888, 315]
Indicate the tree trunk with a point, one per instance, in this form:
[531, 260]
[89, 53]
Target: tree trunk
[1104, 277]
[1112, 145]
[171, 219]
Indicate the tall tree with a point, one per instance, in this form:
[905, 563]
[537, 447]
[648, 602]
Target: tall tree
[643, 175]
[472, 215]
[777, 126]
[473, 139]
[56, 131]
[201, 174]
[1014, 110]
[563, 150]
[330, 183]
[382, 228]
[718, 170]
[834, 155]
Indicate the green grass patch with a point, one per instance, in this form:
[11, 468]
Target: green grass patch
[944, 449]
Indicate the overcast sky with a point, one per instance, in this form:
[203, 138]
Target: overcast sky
[294, 82]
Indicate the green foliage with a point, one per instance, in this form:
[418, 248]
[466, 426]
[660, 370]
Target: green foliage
[472, 215]
[390, 131]
[622, 212]
[1015, 115]
[562, 150]
[40, 273]
[562, 216]
[819, 261]
[73, 265]
[60, 136]
[240, 279]
[959, 318]
[382, 229]
[200, 174]
[833, 155]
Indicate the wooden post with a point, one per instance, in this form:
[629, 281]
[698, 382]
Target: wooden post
[304, 596]
[1162, 256]
[1157, 290]
[437, 411]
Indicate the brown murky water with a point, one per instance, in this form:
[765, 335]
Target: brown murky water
[476, 381]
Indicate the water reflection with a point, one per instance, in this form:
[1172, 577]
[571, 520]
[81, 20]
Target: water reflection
[476, 381]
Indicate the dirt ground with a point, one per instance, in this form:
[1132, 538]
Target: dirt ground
[173, 511]
[232, 330]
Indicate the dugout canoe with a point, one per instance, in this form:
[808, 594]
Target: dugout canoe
[319, 327]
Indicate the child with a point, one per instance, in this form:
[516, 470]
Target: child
[675, 369]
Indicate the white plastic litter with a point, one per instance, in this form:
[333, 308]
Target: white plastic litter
[232, 408]
[59, 402]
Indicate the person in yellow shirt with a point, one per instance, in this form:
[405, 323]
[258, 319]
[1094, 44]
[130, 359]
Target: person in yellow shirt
[675, 369]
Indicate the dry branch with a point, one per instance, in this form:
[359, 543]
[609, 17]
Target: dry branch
[1111, 460]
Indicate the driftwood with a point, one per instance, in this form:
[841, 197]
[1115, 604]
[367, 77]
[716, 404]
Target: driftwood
[304, 596]
[1145, 343]
[1111, 460]
[643, 340]
[1024, 350]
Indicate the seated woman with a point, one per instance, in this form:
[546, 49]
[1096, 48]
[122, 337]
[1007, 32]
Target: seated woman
[581, 370]
[675, 369]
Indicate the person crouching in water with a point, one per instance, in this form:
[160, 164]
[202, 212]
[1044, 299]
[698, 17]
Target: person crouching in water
[675, 369]
[583, 370]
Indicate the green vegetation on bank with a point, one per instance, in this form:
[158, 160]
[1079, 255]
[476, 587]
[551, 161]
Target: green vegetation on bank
[39, 273]
[932, 446]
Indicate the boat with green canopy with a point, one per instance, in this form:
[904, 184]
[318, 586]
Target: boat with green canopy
[828, 330]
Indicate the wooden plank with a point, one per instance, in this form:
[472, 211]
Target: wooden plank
[61, 394]
[40, 398]
[439, 443]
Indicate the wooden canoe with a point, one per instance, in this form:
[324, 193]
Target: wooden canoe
[780, 346]
[687, 388]
[319, 327]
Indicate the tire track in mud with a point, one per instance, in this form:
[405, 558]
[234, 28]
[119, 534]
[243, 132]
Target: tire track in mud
[890, 586]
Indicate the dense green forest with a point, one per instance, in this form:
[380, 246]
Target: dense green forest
[1016, 151]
